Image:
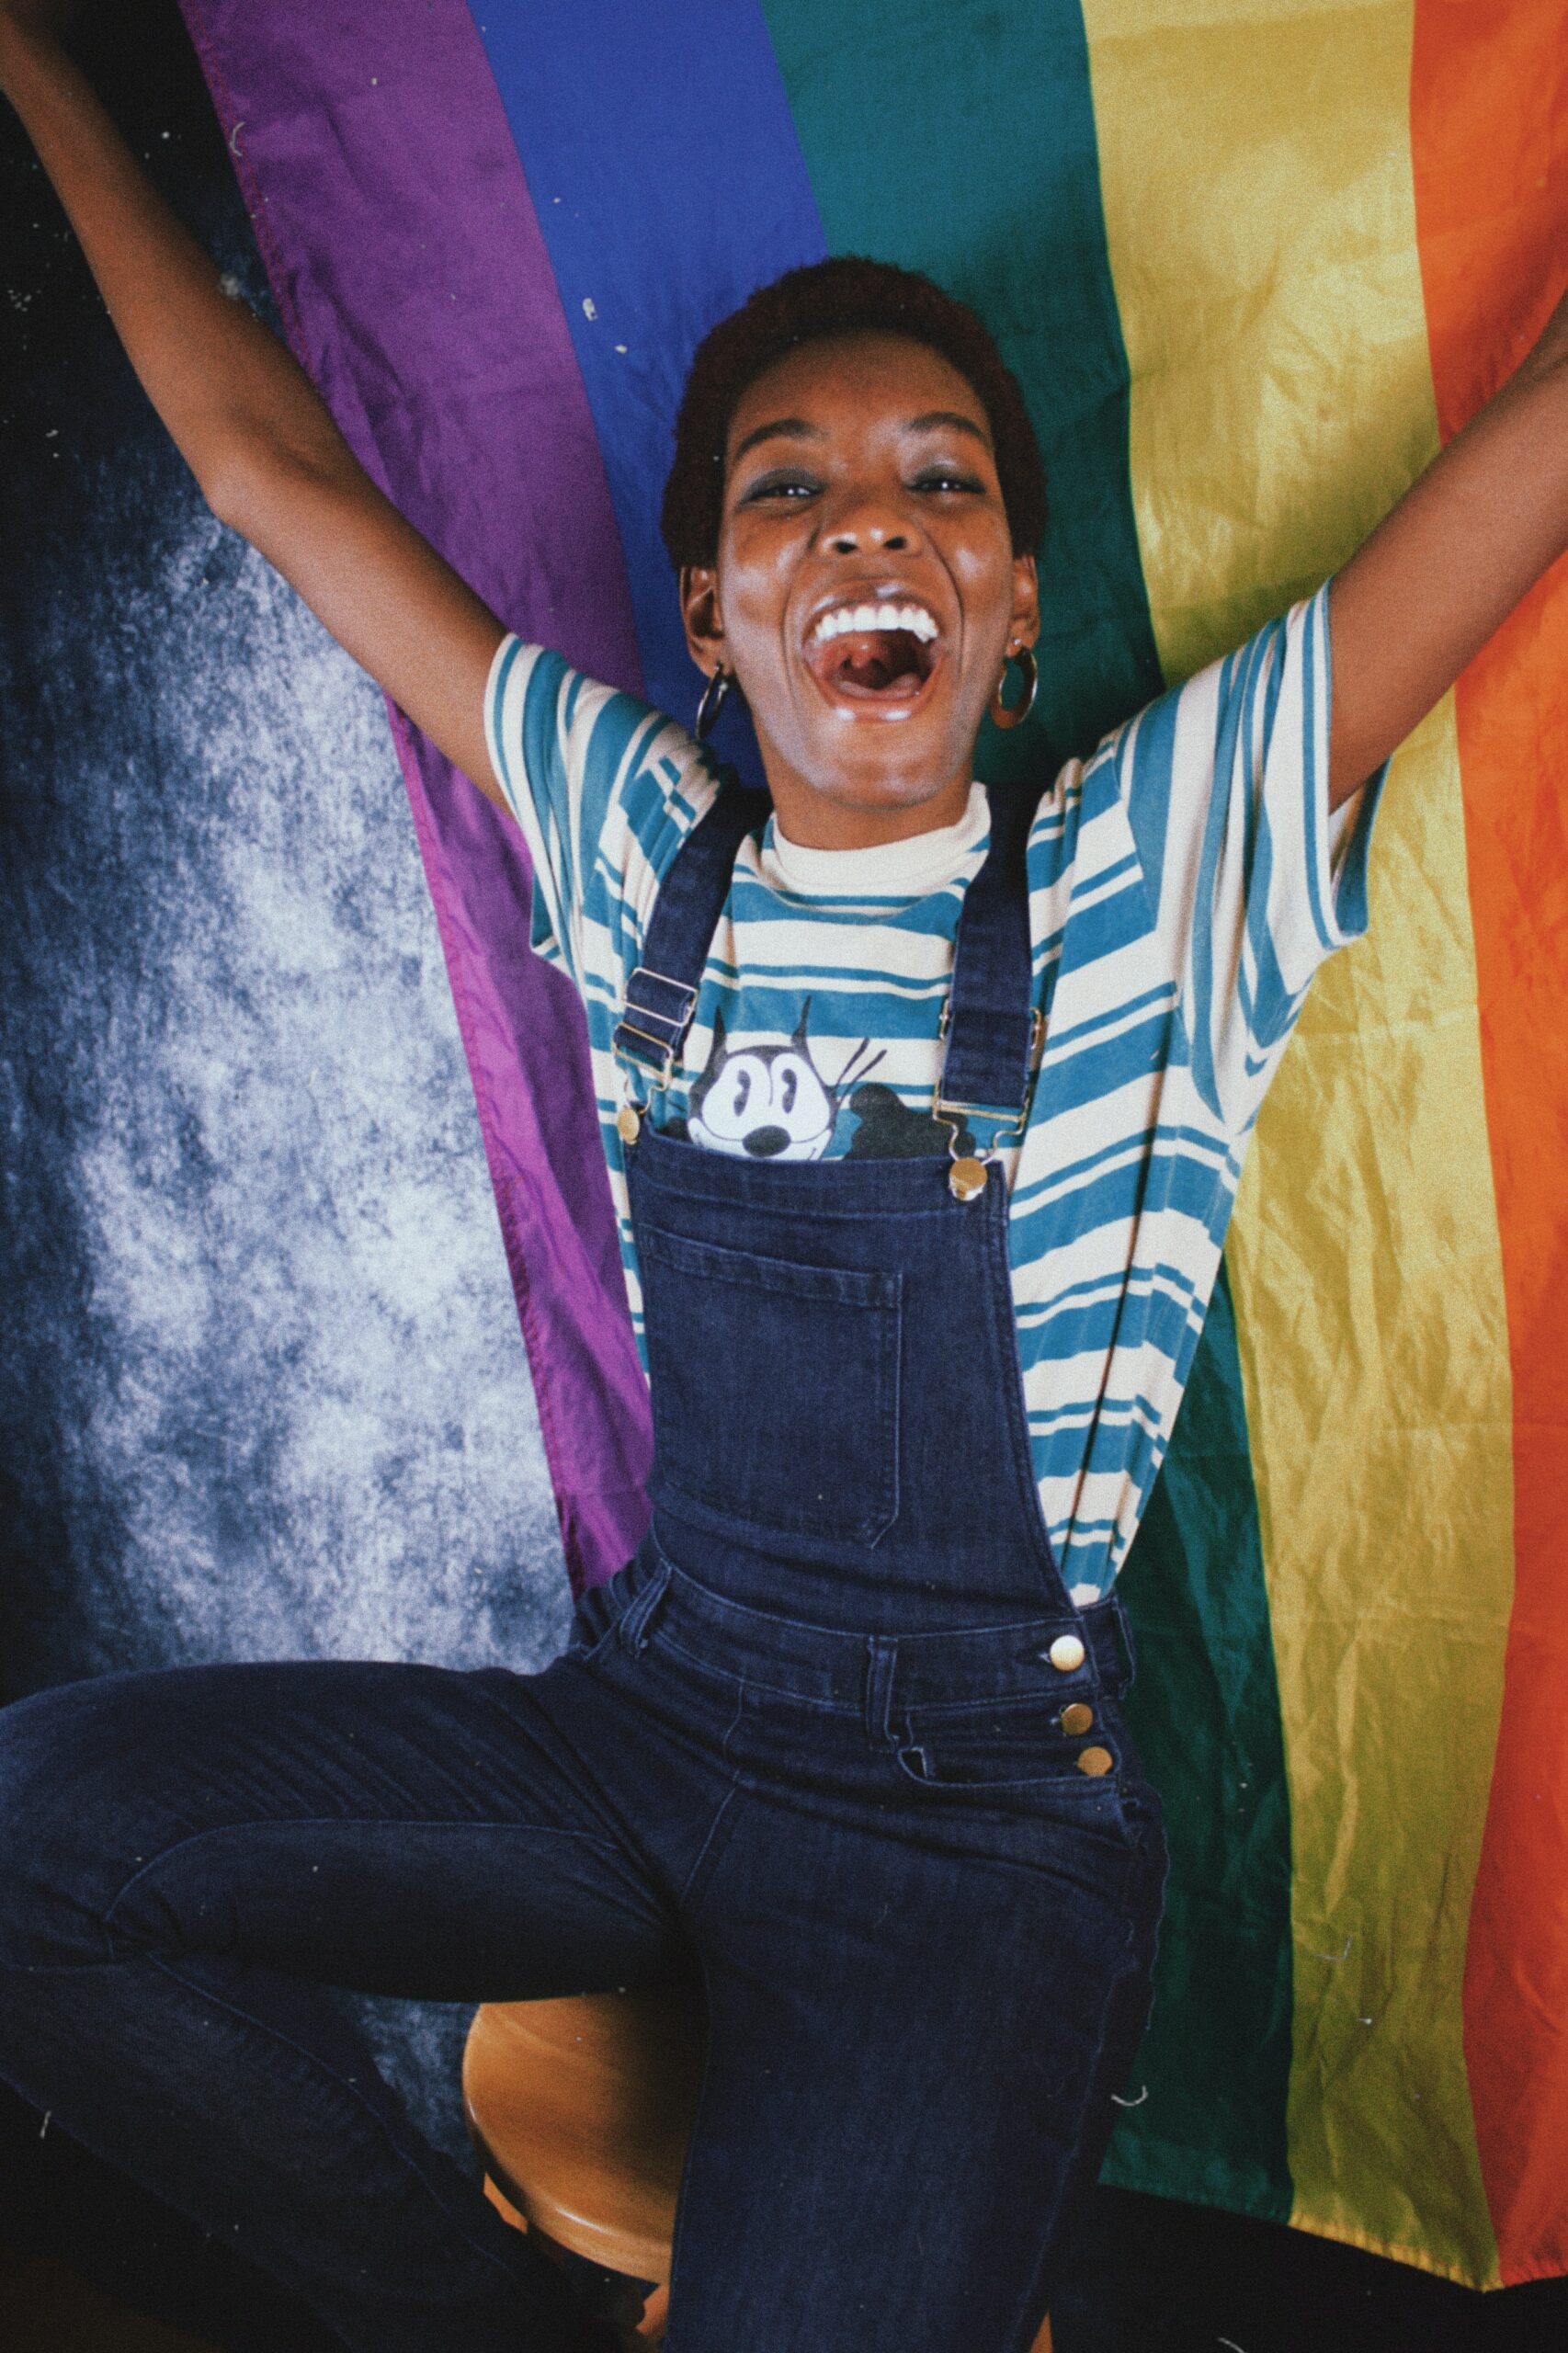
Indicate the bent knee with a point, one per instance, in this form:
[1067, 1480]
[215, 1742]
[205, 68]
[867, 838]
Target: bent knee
[68, 1819]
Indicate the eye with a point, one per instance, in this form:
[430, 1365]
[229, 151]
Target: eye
[787, 483]
[742, 1090]
[947, 478]
[790, 1089]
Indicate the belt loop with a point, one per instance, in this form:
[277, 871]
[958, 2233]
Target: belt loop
[1123, 1625]
[882, 1654]
[637, 1624]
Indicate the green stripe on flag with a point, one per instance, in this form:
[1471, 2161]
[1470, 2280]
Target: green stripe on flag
[989, 179]
[1205, 1711]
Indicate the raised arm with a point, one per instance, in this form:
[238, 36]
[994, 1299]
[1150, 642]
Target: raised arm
[1449, 565]
[258, 437]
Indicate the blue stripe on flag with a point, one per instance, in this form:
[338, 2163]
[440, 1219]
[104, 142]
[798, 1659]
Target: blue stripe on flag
[608, 101]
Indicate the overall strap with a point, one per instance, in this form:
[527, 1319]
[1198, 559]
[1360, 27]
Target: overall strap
[990, 1020]
[661, 996]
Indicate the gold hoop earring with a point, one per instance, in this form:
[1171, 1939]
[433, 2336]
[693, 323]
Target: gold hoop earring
[1004, 714]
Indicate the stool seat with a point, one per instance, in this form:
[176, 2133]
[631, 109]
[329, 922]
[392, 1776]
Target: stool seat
[581, 2109]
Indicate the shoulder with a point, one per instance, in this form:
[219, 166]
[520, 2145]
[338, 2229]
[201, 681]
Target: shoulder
[595, 756]
[1078, 830]
[539, 707]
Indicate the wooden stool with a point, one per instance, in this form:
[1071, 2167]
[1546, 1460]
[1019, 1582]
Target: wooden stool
[581, 2110]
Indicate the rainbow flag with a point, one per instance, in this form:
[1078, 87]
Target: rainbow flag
[1253, 264]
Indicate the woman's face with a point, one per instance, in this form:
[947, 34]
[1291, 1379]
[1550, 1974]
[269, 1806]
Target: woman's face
[866, 593]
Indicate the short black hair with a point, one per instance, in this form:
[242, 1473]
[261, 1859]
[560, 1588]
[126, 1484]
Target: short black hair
[848, 295]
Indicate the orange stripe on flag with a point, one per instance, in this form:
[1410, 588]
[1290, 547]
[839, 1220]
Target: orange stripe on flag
[1489, 138]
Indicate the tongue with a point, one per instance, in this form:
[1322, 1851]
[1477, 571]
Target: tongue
[879, 662]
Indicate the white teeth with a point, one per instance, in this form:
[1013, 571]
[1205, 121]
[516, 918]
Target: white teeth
[843, 618]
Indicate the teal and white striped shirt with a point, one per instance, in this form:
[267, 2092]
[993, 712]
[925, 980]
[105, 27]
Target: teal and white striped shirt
[1185, 885]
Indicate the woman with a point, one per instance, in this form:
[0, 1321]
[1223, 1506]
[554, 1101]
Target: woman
[924, 1115]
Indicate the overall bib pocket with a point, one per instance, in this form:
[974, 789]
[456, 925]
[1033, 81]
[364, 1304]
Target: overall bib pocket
[806, 1359]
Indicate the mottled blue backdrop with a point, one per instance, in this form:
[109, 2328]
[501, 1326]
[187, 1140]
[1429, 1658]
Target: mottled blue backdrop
[262, 1388]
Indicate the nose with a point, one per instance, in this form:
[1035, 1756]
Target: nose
[867, 520]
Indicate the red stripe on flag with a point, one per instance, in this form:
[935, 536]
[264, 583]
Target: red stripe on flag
[1489, 141]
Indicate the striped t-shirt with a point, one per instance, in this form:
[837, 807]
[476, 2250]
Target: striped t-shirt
[1185, 885]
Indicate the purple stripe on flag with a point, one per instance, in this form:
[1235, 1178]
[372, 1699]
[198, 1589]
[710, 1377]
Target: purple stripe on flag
[403, 247]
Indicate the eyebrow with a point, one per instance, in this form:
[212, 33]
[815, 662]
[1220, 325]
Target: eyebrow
[793, 428]
[796, 429]
[953, 420]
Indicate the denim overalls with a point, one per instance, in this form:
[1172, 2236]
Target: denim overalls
[845, 1518]
[837, 1747]
[839, 1424]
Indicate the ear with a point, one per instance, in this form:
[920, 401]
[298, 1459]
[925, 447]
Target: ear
[699, 610]
[1024, 627]
[798, 1039]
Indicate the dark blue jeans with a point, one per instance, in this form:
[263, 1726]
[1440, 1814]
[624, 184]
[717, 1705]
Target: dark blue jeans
[926, 1936]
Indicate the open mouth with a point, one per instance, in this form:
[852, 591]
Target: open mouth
[883, 655]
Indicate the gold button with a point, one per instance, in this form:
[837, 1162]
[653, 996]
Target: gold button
[1066, 1653]
[966, 1180]
[1094, 1761]
[1077, 1719]
[628, 1125]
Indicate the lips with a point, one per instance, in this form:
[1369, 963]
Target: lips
[874, 652]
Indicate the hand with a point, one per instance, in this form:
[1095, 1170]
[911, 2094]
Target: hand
[50, 18]
[24, 24]
[1550, 348]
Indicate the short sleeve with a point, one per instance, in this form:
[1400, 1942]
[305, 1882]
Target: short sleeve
[1225, 784]
[605, 789]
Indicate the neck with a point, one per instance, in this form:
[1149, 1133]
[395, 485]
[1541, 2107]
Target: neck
[816, 820]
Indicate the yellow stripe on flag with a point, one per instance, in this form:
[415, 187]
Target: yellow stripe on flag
[1257, 178]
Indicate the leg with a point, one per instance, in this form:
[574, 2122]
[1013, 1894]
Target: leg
[892, 2135]
[183, 1854]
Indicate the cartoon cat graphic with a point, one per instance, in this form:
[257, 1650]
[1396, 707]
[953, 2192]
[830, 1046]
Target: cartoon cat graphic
[770, 1102]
